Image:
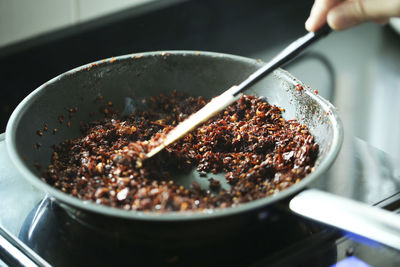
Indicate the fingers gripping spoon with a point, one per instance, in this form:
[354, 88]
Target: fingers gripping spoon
[220, 102]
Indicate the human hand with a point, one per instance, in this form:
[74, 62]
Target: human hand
[343, 14]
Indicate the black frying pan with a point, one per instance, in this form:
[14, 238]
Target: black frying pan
[123, 80]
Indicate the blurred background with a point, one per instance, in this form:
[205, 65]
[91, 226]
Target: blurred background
[23, 19]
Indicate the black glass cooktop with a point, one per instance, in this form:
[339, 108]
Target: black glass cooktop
[63, 241]
[279, 239]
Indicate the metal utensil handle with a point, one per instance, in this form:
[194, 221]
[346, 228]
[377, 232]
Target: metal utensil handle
[283, 57]
[349, 215]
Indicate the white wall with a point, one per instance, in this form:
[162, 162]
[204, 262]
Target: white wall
[22, 19]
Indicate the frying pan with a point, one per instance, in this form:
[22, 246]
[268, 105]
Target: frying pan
[125, 80]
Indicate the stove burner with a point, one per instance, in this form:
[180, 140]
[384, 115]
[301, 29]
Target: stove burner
[64, 241]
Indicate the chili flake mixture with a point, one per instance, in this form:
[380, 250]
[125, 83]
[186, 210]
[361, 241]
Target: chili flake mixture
[260, 152]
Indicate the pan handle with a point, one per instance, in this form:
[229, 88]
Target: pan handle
[349, 215]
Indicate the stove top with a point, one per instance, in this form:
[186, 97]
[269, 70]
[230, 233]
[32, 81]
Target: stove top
[64, 241]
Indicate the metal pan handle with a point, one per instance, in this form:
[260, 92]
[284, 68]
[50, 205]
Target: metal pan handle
[349, 215]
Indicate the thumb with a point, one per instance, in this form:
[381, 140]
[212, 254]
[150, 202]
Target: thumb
[353, 12]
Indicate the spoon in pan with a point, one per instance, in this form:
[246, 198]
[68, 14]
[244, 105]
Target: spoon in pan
[217, 104]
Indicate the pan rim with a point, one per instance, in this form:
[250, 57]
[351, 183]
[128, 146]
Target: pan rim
[89, 206]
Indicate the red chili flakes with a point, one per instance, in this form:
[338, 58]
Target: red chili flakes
[61, 119]
[72, 111]
[299, 87]
[91, 66]
[316, 92]
[37, 165]
[259, 152]
[214, 184]
[37, 146]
